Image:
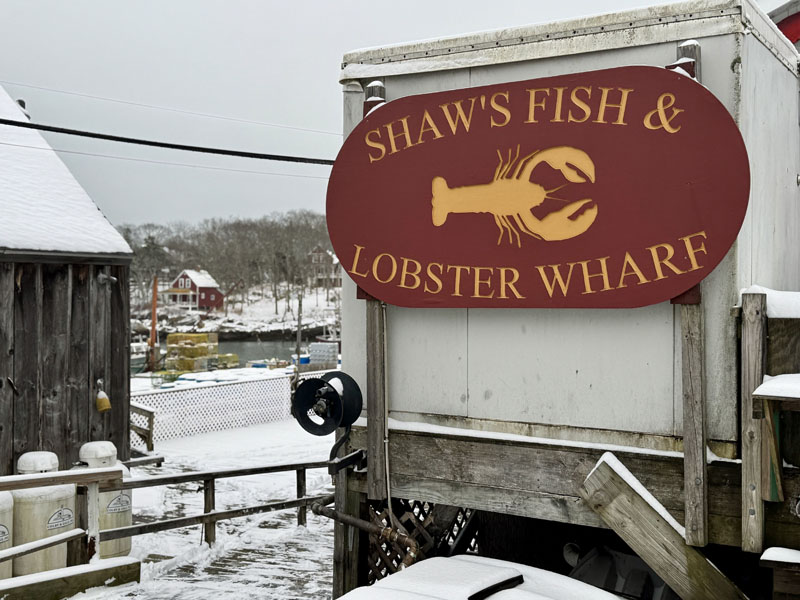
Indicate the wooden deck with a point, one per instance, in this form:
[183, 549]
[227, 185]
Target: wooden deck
[542, 480]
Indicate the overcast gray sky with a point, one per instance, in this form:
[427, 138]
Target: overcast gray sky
[255, 62]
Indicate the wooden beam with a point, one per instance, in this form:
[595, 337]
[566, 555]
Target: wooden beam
[56, 411]
[754, 316]
[209, 505]
[36, 545]
[93, 519]
[119, 349]
[301, 491]
[349, 570]
[63, 583]
[663, 548]
[99, 351]
[132, 530]
[28, 341]
[7, 383]
[377, 408]
[140, 461]
[79, 477]
[695, 483]
[79, 387]
[541, 479]
[376, 402]
[172, 479]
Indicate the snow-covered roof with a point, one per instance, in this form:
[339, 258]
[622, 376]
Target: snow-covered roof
[201, 278]
[44, 209]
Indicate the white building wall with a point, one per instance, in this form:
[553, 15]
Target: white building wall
[613, 370]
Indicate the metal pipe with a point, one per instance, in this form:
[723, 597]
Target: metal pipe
[384, 533]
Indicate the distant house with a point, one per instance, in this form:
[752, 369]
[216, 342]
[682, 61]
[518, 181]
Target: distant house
[325, 268]
[196, 290]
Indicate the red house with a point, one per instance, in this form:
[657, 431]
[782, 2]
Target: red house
[195, 290]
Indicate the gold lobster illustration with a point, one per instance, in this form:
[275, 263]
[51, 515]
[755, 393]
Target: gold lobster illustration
[511, 196]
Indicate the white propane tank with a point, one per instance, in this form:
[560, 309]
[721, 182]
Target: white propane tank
[115, 507]
[6, 530]
[40, 513]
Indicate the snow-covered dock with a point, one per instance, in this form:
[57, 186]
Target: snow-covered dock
[266, 556]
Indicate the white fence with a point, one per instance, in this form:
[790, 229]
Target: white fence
[182, 412]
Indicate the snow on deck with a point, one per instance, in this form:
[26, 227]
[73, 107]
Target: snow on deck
[263, 556]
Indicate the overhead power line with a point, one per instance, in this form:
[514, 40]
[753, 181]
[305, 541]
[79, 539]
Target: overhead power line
[162, 162]
[170, 109]
[168, 145]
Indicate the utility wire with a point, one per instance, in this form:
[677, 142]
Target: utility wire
[162, 162]
[167, 108]
[168, 145]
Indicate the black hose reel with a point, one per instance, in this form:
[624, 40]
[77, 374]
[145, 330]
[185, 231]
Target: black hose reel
[322, 405]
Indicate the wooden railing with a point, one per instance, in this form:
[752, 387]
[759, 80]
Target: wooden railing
[84, 540]
[146, 433]
[210, 515]
[88, 478]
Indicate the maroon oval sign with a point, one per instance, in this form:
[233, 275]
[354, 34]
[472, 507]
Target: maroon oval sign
[616, 188]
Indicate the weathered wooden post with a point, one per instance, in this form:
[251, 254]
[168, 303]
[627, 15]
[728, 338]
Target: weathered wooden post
[376, 363]
[301, 492]
[695, 484]
[346, 539]
[93, 518]
[209, 504]
[754, 316]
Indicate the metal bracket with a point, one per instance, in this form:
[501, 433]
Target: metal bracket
[357, 460]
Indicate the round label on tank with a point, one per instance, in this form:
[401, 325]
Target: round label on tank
[63, 517]
[4, 536]
[120, 504]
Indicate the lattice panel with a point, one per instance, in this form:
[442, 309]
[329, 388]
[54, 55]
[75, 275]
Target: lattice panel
[384, 558]
[182, 412]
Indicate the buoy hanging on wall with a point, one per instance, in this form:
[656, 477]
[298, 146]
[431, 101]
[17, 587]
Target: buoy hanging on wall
[320, 405]
[102, 401]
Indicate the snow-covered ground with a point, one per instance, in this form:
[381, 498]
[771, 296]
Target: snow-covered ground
[258, 314]
[264, 556]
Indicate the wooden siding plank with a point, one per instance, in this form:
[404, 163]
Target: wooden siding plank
[118, 384]
[27, 332]
[6, 368]
[99, 359]
[694, 424]
[783, 356]
[783, 348]
[54, 424]
[78, 387]
[754, 315]
[542, 480]
[685, 570]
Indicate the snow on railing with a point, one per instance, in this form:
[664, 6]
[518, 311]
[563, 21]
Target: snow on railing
[182, 412]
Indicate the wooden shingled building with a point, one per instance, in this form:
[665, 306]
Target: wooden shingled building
[64, 306]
